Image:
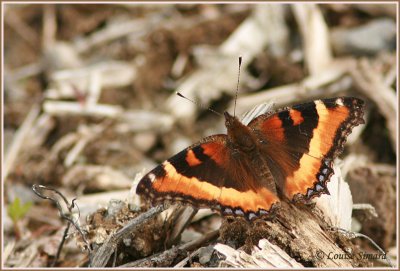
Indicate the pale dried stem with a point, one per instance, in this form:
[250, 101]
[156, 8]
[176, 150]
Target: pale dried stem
[316, 41]
[19, 140]
[58, 108]
[49, 28]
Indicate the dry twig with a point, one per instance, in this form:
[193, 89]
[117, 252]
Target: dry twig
[166, 258]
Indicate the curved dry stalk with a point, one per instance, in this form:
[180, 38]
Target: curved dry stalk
[36, 189]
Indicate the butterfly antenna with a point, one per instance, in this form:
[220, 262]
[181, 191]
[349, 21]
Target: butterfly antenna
[198, 104]
[237, 86]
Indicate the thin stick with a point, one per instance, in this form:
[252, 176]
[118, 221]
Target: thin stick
[170, 255]
[237, 86]
[181, 218]
[60, 246]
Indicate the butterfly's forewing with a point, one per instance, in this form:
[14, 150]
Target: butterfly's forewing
[206, 175]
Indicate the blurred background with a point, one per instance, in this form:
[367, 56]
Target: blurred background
[89, 100]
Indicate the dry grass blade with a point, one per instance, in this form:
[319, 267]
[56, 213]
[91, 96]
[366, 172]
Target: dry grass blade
[49, 26]
[8, 249]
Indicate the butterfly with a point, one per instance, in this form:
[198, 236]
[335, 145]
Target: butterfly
[283, 154]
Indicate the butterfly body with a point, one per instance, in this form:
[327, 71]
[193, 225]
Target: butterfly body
[245, 145]
[240, 136]
[287, 154]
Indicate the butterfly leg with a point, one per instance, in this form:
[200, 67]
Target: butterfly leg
[303, 200]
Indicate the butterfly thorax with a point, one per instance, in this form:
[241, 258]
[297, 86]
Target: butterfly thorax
[240, 137]
[243, 143]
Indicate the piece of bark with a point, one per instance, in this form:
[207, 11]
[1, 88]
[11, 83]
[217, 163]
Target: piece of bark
[265, 255]
[300, 231]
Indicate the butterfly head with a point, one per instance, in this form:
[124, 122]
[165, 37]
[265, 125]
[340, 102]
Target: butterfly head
[238, 133]
[231, 121]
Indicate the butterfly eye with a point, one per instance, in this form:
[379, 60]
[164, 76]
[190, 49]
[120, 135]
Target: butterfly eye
[229, 122]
